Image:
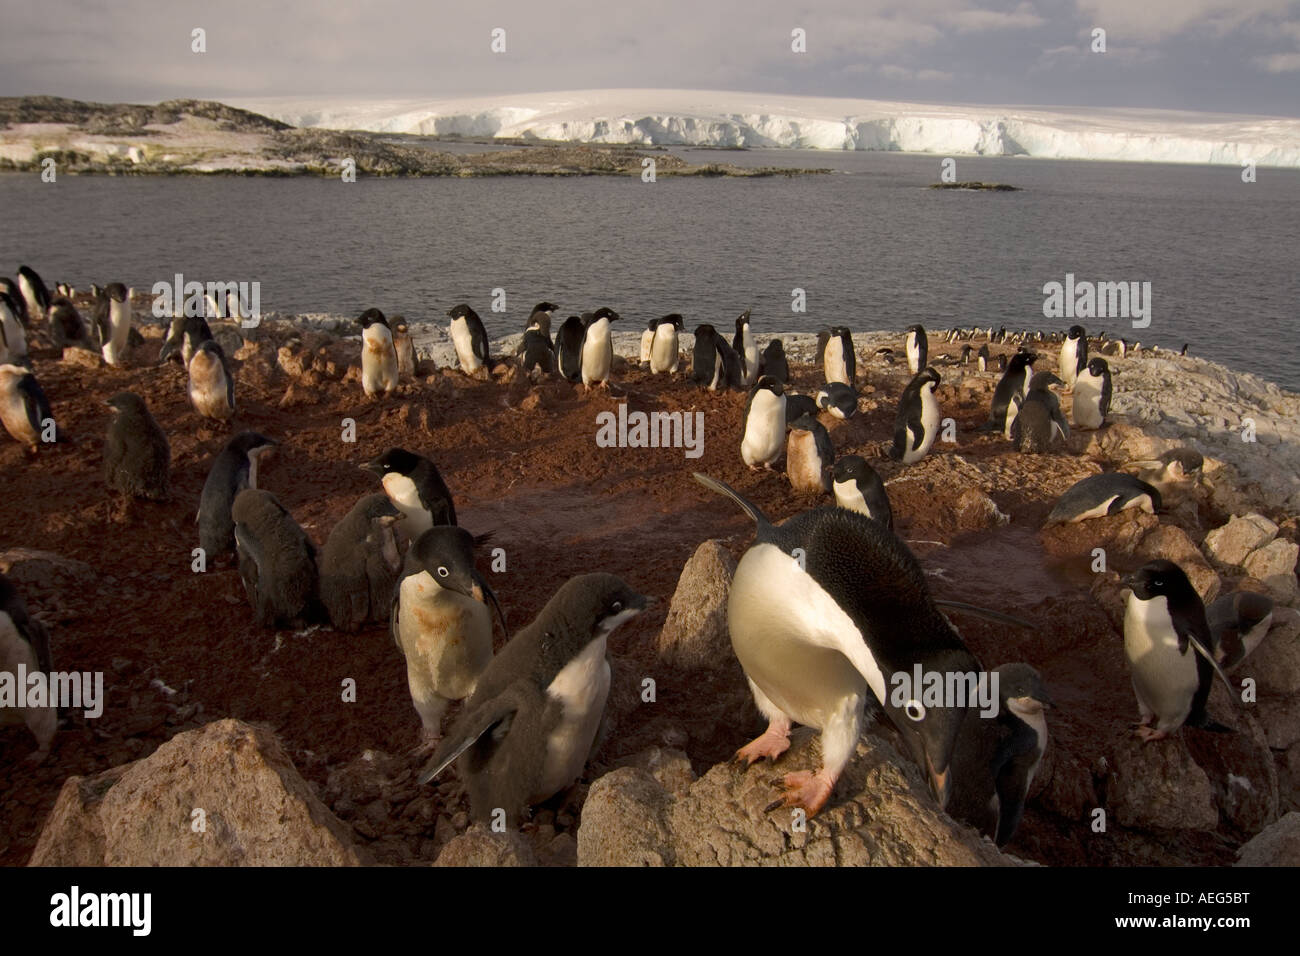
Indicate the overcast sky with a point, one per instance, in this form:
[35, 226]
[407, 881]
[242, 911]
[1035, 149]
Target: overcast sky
[1238, 56]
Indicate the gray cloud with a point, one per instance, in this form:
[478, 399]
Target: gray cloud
[1220, 55]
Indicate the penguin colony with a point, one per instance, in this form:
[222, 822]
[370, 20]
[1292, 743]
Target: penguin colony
[823, 609]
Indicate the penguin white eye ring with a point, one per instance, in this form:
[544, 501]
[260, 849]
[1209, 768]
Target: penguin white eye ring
[915, 710]
[616, 606]
[443, 572]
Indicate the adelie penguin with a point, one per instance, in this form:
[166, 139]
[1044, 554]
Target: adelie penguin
[67, 328]
[540, 318]
[598, 348]
[1092, 393]
[839, 399]
[707, 368]
[112, 318]
[916, 424]
[982, 358]
[413, 484]
[1167, 642]
[470, 339]
[996, 758]
[763, 436]
[774, 364]
[277, 561]
[234, 469]
[405, 349]
[211, 387]
[835, 348]
[1238, 623]
[1014, 382]
[137, 457]
[819, 634]
[537, 350]
[858, 488]
[24, 641]
[797, 406]
[18, 304]
[360, 564]
[568, 348]
[24, 409]
[442, 624]
[1105, 494]
[747, 349]
[917, 347]
[378, 356]
[1074, 355]
[1040, 421]
[36, 295]
[647, 339]
[13, 338]
[184, 336]
[663, 344]
[809, 456]
[533, 720]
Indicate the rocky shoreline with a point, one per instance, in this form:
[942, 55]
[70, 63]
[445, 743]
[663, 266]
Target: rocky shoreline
[322, 783]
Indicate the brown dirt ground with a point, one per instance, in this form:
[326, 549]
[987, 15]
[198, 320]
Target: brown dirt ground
[523, 463]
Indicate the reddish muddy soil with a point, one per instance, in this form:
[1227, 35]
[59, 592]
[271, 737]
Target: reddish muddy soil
[179, 648]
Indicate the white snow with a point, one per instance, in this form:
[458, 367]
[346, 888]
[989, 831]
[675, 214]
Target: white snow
[713, 118]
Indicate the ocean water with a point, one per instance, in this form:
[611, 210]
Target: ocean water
[871, 247]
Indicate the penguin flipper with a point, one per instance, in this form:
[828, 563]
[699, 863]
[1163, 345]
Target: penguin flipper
[983, 612]
[722, 488]
[34, 401]
[494, 715]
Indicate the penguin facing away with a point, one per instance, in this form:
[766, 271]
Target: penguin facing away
[568, 348]
[277, 561]
[818, 637]
[360, 564]
[137, 456]
[774, 364]
[441, 623]
[1167, 642]
[532, 722]
[707, 367]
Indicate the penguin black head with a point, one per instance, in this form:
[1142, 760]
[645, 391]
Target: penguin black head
[674, 319]
[127, 403]
[593, 605]
[246, 442]
[605, 312]
[1189, 460]
[9, 303]
[545, 307]
[1098, 366]
[742, 320]
[372, 317]
[653, 324]
[770, 384]
[378, 507]
[931, 732]
[703, 331]
[929, 374]
[918, 329]
[852, 468]
[115, 291]
[462, 311]
[397, 460]
[1042, 380]
[1162, 578]
[1023, 689]
[1076, 332]
[804, 423]
[446, 554]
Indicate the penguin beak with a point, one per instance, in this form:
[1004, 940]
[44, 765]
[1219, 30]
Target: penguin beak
[374, 467]
[940, 782]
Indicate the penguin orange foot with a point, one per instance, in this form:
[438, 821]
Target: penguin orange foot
[805, 789]
[773, 742]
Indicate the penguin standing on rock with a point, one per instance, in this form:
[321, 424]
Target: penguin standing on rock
[824, 611]
[764, 424]
[1167, 642]
[598, 348]
[1040, 420]
[568, 348]
[25, 642]
[24, 409]
[137, 457]
[996, 758]
[441, 622]
[277, 561]
[858, 488]
[1092, 392]
[360, 564]
[916, 425]
[917, 346]
[747, 349]
[113, 322]
[378, 356]
[470, 339]
[774, 365]
[234, 469]
[663, 344]
[1074, 355]
[533, 720]
[413, 484]
[211, 387]
[809, 456]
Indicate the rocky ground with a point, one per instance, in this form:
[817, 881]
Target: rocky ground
[202, 137]
[316, 779]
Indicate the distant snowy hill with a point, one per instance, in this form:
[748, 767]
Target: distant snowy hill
[710, 118]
